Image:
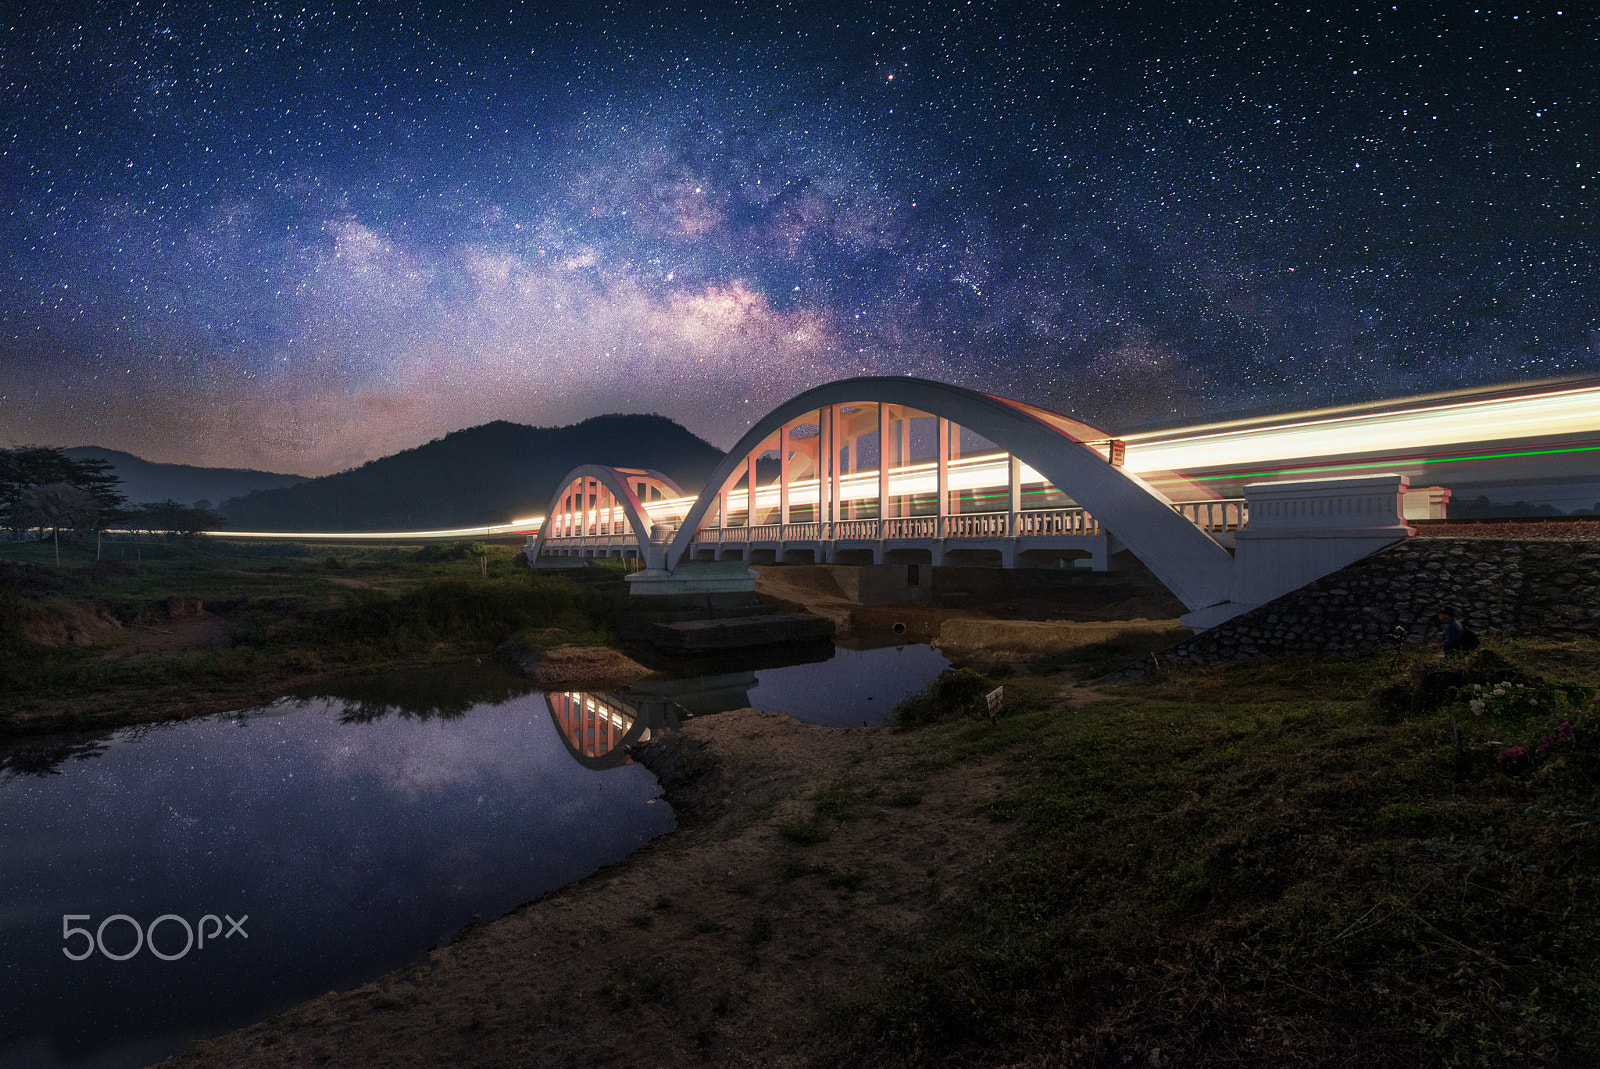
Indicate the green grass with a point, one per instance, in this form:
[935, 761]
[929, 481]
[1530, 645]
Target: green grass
[1253, 864]
[283, 615]
[836, 801]
[961, 693]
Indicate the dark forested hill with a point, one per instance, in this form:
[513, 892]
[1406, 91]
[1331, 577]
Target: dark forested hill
[481, 475]
[143, 480]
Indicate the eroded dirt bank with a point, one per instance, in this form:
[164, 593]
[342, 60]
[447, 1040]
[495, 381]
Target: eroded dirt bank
[983, 616]
[727, 942]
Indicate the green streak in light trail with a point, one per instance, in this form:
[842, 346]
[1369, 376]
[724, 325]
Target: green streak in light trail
[986, 494]
[1394, 463]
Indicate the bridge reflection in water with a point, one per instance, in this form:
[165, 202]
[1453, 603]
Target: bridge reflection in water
[848, 689]
[599, 727]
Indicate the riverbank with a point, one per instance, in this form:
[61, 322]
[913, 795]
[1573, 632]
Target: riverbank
[189, 630]
[806, 850]
[1303, 862]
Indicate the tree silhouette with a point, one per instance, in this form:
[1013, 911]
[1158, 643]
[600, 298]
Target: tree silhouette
[99, 478]
[174, 518]
[59, 505]
[26, 471]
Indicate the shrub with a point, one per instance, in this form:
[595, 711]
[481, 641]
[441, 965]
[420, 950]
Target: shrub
[445, 552]
[1562, 742]
[1432, 685]
[956, 692]
[1513, 704]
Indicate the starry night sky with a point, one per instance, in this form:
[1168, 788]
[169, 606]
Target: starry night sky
[299, 236]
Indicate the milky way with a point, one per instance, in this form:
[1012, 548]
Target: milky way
[297, 237]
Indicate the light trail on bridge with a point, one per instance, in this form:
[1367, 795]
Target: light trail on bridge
[1555, 449]
[1408, 435]
[530, 525]
[1413, 431]
[1570, 411]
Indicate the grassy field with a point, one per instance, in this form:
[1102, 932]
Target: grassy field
[184, 626]
[1299, 862]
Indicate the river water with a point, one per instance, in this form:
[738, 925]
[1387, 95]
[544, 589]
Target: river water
[320, 841]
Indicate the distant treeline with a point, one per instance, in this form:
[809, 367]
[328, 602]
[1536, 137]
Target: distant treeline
[475, 477]
[43, 489]
[1481, 508]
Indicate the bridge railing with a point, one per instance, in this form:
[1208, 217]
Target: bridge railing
[801, 532]
[978, 525]
[1216, 516]
[1034, 524]
[922, 527]
[586, 542]
[1222, 514]
[1056, 522]
[856, 530]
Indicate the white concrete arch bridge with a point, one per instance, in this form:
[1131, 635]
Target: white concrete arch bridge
[902, 470]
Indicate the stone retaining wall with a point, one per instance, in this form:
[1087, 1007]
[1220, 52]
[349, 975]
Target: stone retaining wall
[1494, 585]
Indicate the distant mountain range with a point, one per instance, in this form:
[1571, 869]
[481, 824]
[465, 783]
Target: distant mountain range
[478, 476]
[143, 480]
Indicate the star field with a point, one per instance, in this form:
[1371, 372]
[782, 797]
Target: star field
[298, 236]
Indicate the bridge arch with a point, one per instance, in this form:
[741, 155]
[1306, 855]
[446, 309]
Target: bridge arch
[1191, 564]
[620, 484]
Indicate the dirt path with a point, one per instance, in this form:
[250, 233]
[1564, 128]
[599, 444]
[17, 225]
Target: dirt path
[723, 943]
